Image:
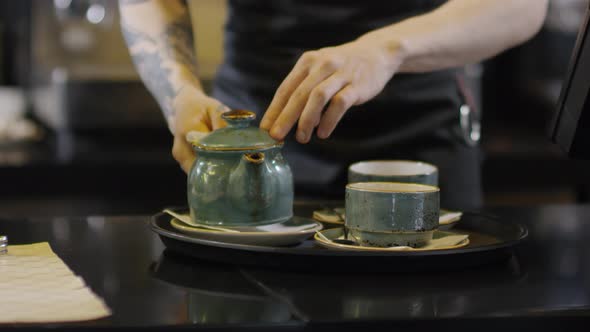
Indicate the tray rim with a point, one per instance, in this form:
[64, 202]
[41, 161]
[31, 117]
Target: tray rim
[320, 251]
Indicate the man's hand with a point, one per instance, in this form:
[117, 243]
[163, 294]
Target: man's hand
[454, 34]
[193, 112]
[343, 76]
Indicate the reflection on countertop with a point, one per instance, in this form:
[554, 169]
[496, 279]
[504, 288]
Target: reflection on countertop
[350, 296]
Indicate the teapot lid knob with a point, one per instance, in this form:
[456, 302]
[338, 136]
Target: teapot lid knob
[239, 135]
[239, 118]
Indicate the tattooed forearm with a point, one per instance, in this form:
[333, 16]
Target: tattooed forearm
[164, 60]
[148, 61]
[179, 47]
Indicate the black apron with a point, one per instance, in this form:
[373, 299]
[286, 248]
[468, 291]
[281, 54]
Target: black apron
[416, 116]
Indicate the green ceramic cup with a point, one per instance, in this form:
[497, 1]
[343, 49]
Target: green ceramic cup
[406, 171]
[386, 214]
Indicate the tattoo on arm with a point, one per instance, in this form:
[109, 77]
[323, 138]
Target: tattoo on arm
[157, 57]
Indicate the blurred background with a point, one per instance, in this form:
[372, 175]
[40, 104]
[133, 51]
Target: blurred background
[80, 135]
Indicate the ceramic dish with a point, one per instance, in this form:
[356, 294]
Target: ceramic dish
[440, 241]
[335, 217]
[386, 214]
[290, 232]
[448, 219]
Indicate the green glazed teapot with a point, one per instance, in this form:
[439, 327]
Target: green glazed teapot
[240, 177]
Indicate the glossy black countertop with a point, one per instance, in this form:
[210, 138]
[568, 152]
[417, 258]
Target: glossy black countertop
[545, 285]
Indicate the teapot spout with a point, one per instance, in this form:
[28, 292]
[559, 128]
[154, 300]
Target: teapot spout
[256, 158]
[250, 186]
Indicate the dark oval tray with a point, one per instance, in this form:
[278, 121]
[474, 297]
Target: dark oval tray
[491, 240]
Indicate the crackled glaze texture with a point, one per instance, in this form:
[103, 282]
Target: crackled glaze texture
[387, 218]
[240, 177]
[223, 189]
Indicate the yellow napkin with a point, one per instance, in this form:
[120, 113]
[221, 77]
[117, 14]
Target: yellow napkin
[36, 286]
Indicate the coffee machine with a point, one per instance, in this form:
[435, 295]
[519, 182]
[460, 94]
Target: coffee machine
[82, 77]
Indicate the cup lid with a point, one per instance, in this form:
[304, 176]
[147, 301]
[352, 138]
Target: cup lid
[239, 135]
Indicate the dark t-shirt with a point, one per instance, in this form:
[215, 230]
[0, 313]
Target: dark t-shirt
[263, 41]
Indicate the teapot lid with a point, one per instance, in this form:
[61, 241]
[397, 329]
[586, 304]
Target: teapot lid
[238, 135]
